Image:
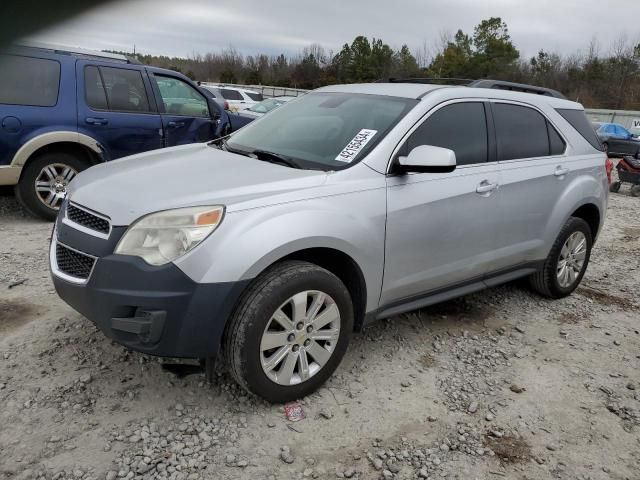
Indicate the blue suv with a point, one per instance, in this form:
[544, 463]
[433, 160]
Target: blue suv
[63, 111]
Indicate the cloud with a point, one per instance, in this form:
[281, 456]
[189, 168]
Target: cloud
[286, 26]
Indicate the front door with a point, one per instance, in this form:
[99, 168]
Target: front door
[441, 227]
[117, 108]
[184, 111]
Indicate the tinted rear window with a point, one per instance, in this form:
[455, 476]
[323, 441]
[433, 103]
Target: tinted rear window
[579, 121]
[231, 94]
[255, 96]
[521, 132]
[29, 81]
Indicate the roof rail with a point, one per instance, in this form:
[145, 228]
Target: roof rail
[431, 81]
[76, 51]
[516, 87]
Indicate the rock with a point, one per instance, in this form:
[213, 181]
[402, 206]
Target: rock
[387, 474]
[473, 407]
[229, 459]
[307, 472]
[631, 386]
[326, 413]
[377, 463]
[517, 389]
[617, 343]
[242, 463]
[431, 418]
[85, 378]
[489, 417]
[111, 475]
[286, 457]
[406, 384]
[349, 472]
[552, 447]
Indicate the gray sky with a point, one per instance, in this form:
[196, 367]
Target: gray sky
[182, 28]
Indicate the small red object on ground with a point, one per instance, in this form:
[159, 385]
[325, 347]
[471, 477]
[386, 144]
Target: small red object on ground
[294, 412]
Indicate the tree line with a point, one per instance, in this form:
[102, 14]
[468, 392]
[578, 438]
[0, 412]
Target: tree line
[598, 80]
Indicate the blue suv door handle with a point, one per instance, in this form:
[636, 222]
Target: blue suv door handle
[96, 121]
[173, 124]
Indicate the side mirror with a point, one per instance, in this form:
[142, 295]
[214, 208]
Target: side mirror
[428, 159]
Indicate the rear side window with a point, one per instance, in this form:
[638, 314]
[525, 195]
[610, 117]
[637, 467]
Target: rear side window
[461, 127]
[29, 81]
[579, 121]
[556, 143]
[257, 97]
[231, 94]
[521, 132]
[115, 89]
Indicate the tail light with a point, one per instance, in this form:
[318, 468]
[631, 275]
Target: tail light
[226, 105]
[608, 165]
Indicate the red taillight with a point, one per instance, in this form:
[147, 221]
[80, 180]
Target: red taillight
[608, 165]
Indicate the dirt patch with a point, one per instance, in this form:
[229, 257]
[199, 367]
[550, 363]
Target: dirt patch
[605, 298]
[509, 449]
[427, 360]
[14, 314]
[631, 234]
[459, 310]
[571, 318]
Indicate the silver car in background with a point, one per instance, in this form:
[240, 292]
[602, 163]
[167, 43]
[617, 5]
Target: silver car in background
[351, 204]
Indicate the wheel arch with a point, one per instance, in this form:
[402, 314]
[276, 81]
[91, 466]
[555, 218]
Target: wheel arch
[333, 259]
[66, 141]
[590, 213]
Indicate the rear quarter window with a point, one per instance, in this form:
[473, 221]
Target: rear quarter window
[231, 94]
[29, 81]
[579, 121]
[257, 97]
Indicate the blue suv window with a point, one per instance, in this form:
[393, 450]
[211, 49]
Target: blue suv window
[29, 81]
[115, 89]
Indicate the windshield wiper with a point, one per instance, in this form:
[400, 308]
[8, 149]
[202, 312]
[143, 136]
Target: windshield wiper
[274, 158]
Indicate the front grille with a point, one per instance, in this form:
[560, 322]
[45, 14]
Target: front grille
[87, 219]
[73, 263]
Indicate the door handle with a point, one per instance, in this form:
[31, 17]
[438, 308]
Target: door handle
[96, 121]
[175, 124]
[486, 187]
[561, 172]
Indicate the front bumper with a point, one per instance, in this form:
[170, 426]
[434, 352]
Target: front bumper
[151, 309]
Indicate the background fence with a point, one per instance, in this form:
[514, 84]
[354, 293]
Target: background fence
[627, 118]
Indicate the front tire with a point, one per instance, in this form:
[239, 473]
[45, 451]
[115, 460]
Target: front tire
[567, 261]
[44, 183]
[289, 331]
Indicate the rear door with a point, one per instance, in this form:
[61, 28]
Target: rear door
[535, 171]
[184, 110]
[115, 106]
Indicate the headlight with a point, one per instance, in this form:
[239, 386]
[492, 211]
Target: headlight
[162, 237]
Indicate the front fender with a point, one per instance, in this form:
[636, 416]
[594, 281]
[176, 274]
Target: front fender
[249, 241]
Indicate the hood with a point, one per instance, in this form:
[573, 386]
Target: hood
[186, 176]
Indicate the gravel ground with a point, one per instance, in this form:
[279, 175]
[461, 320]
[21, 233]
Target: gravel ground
[500, 384]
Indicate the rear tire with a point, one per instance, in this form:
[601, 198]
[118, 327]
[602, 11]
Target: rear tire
[615, 187]
[265, 327]
[44, 181]
[567, 261]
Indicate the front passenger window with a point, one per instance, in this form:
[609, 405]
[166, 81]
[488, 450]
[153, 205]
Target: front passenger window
[180, 98]
[461, 127]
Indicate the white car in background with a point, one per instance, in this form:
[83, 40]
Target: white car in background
[261, 108]
[233, 98]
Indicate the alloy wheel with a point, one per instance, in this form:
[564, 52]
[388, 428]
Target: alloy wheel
[571, 260]
[52, 182]
[300, 337]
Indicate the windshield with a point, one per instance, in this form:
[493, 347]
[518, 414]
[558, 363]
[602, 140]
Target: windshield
[328, 131]
[266, 105]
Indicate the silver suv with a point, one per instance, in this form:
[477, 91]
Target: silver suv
[348, 205]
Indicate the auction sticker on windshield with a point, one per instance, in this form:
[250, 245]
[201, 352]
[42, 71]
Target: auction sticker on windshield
[354, 147]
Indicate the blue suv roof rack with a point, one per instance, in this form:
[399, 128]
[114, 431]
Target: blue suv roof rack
[83, 52]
